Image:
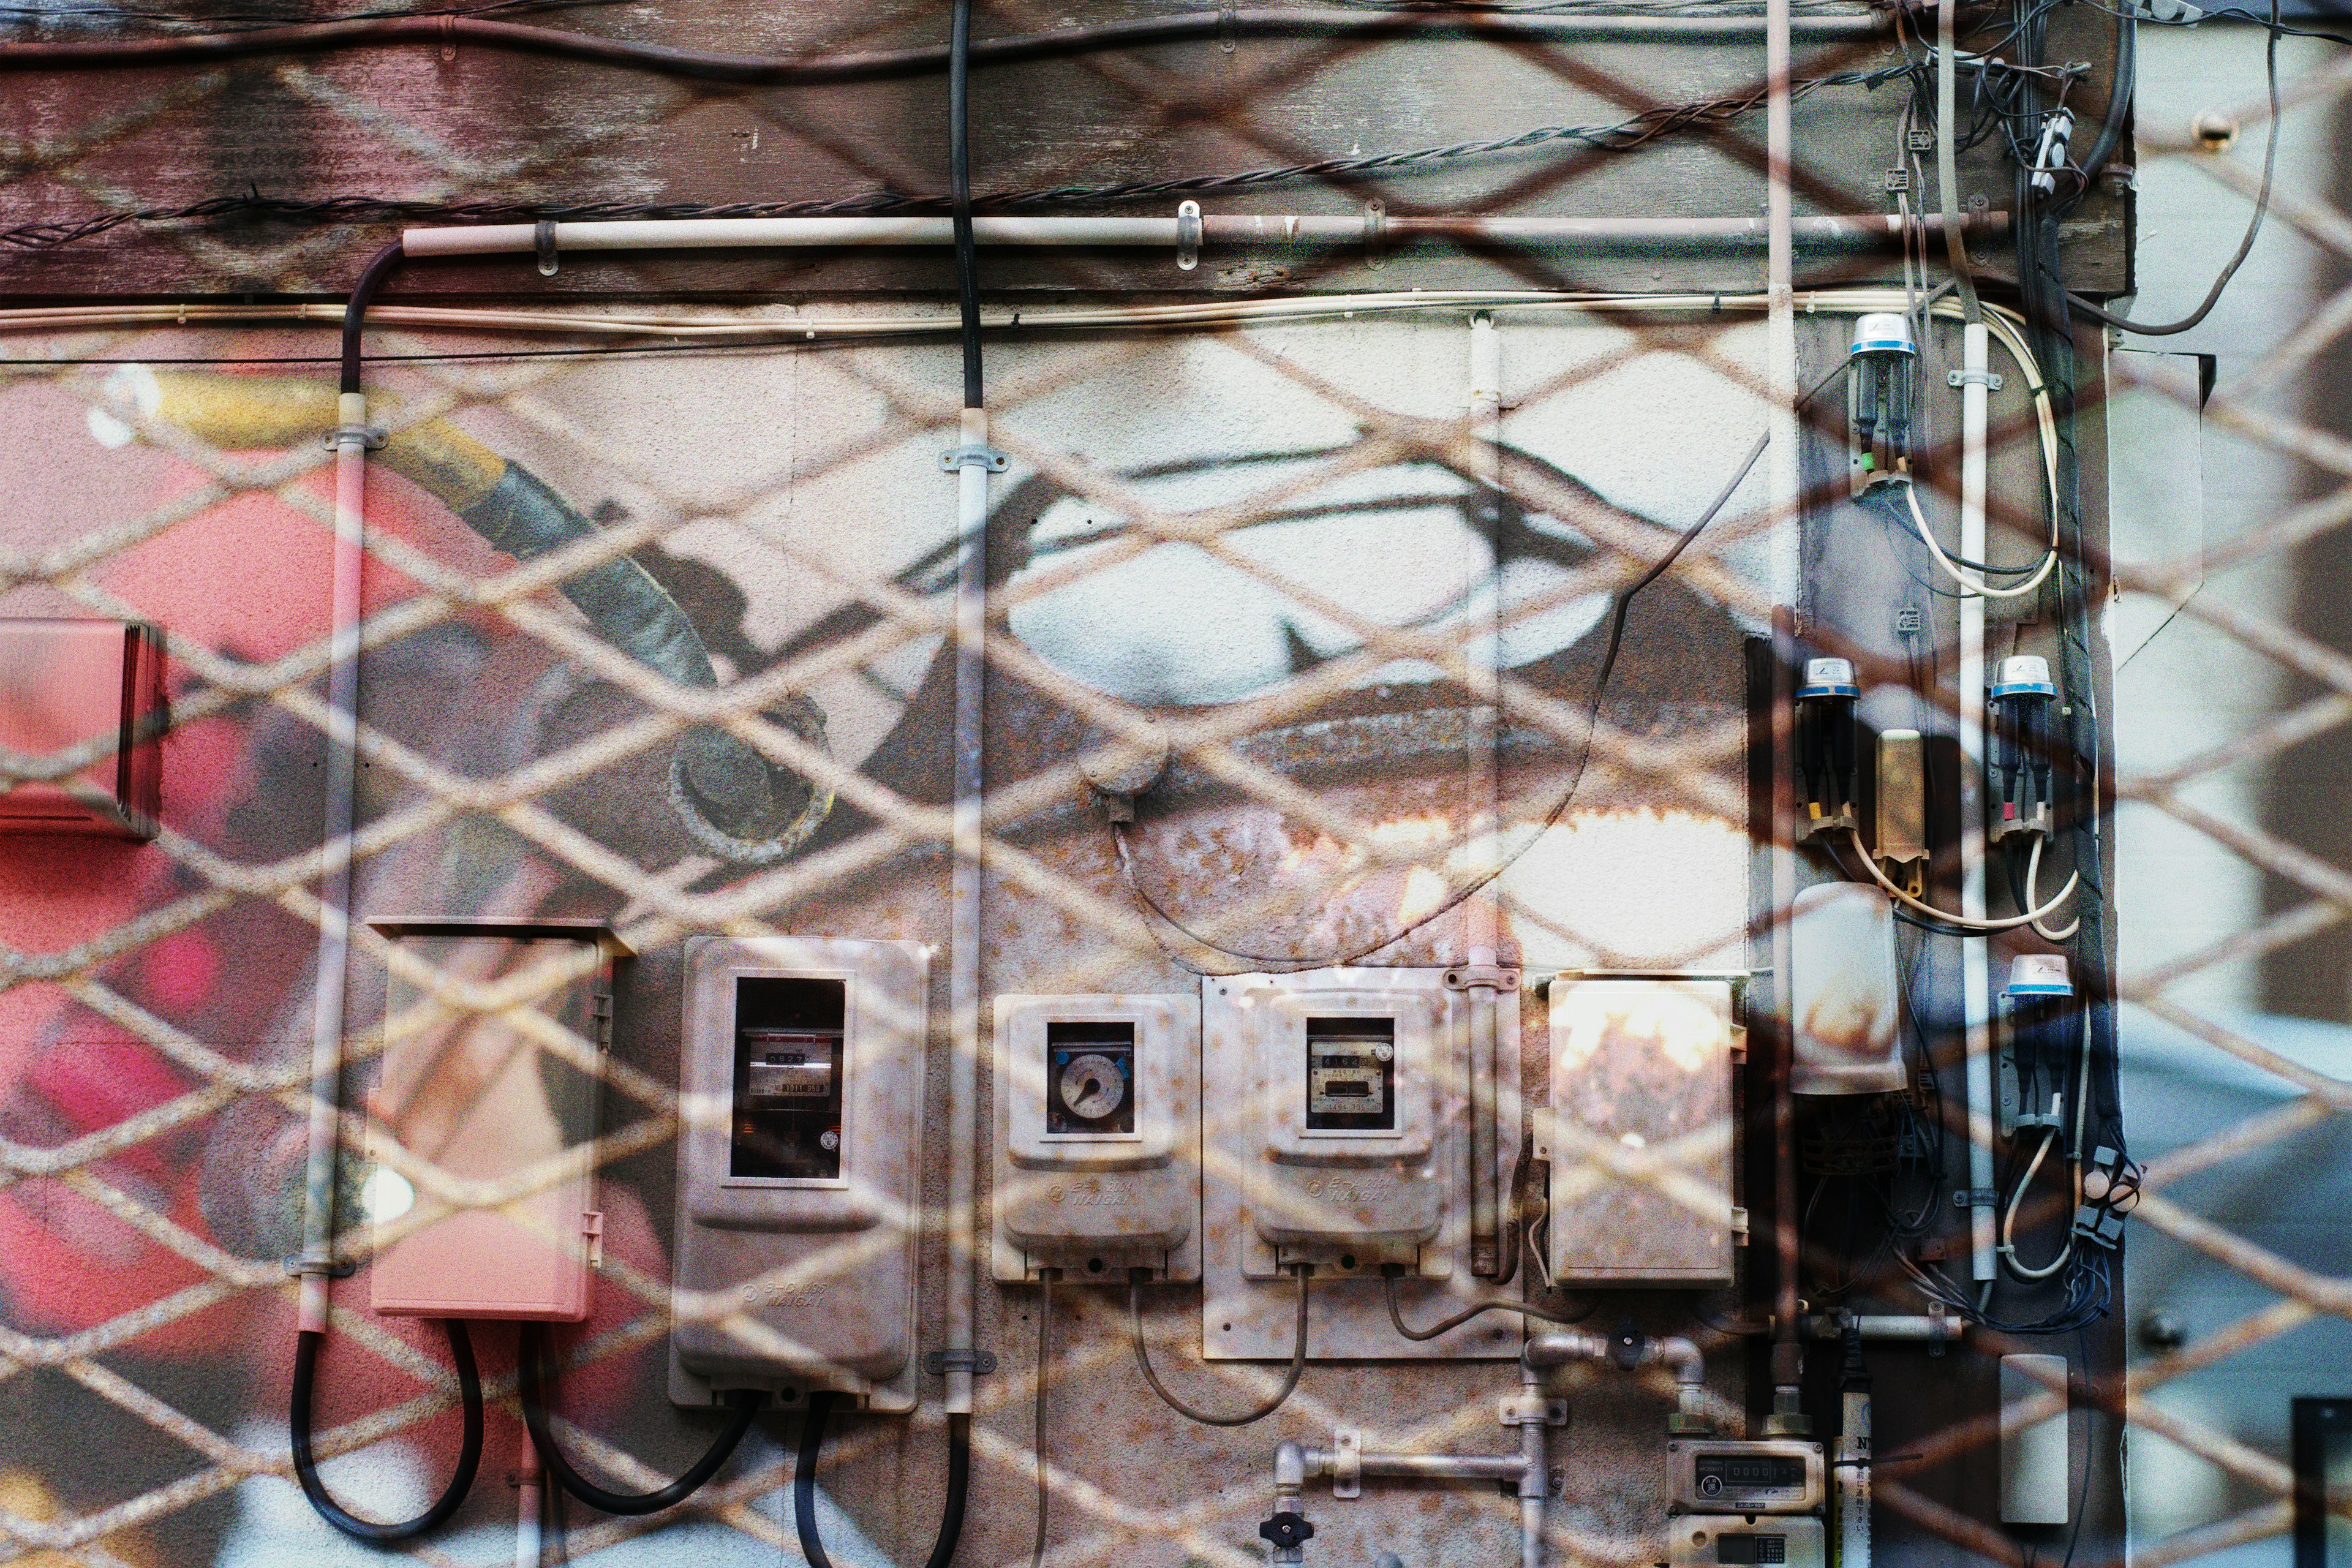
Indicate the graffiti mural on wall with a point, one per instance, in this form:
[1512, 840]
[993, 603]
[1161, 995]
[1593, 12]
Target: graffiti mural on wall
[713, 590]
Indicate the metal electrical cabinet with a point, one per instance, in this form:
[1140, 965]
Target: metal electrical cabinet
[1098, 1137]
[1342, 1140]
[482, 1199]
[92, 686]
[798, 1181]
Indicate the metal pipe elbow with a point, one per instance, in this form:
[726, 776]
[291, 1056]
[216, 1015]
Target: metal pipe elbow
[1560, 1346]
[1289, 1467]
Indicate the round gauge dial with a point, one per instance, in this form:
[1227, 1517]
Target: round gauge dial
[1092, 1087]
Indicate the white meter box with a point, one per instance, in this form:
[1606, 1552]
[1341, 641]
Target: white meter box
[1098, 1137]
[1638, 1129]
[798, 1185]
[1335, 1133]
[482, 1129]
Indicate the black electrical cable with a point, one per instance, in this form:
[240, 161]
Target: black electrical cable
[1209, 1418]
[2245, 246]
[704, 65]
[1389, 1274]
[1046, 1277]
[967, 254]
[2119, 101]
[533, 1387]
[380, 266]
[943, 1548]
[306, 1464]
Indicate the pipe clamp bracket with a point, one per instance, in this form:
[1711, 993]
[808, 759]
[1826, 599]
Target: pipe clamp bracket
[1529, 1408]
[988, 458]
[1976, 1197]
[296, 1266]
[370, 436]
[1188, 236]
[1346, 1462]
[1989, 380]
[543, 241]
[980, 1364]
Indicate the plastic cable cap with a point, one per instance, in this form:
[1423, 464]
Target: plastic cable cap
[1829, 678]
[2024, 675]
[1883, 333]
[2039, 974]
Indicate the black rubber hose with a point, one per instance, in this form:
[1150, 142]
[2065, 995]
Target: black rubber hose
[2119, 99]
[943, 1548]
[967, 254]
[532, 1386]
[306, 1463]
[380, 266]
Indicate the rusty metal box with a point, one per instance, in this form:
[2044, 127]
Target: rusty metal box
[89, 692]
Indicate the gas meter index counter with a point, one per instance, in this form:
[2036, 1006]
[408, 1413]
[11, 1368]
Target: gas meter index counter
[798, 1211]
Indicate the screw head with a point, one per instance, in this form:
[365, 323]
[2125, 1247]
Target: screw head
[2214, 130]
[2162, 1330]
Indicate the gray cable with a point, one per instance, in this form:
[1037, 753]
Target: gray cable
[1209, 1418]
[1037, 1435]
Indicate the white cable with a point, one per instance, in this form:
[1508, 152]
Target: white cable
[1976, 586]
[2008, 922]
[2008, 1218]
[2034, 891]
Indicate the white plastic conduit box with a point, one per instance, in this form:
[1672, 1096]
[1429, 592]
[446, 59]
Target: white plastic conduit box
[1335, 1130]
[481, 1194]
[1638, 1131]
[798, 1169]
[92, 689]
[1098, 1137]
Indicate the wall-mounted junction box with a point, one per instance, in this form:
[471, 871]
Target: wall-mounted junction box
[798, 1181]
[492, 1061]
[1335, 1129]
[1842, 990]
[1098, 1137]
[1641, 1081]
[94, 686]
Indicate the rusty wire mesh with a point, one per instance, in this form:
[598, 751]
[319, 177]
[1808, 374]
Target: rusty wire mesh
[112, 1180]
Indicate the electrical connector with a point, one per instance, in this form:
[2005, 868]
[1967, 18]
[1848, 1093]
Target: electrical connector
[2020, 696]
[1826, 744]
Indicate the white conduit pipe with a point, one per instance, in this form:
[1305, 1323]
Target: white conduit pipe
[1975, 963]
[317, 1261]
[770, 233]
[1481, 916]
[964, 901]
[531, 1480]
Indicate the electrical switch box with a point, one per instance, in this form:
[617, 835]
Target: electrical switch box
[1098, 1137]
[481, 1194]
[798, 1181]
[1335, 1130]
[91, 689]
[1638, 1129]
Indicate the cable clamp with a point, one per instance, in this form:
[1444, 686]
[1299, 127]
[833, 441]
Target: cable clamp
[1989, 380]
[542, 240]
[1346, 1462]
[1188, 236]
[370, 436]
[296, 1266]
[980, 1364]
[1376, 235]
[1481, 976]
[1976, 1198]
[962, 458]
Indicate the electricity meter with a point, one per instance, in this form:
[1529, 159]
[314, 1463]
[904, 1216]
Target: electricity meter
[798, 1186]
[1098, 1137]
[493, 1040]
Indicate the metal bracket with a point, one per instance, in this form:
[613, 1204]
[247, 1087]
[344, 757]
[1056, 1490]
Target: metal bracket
[1188, 236]
[980, 1364]
[1989, 380]
[1976, 1198]
[341, 1268]
[1529, 1408]
[1346, 1462]
[542, 240]
[370, 436]
[1376, 235]
[962, 458]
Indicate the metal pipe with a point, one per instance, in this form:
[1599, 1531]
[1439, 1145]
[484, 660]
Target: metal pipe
[1787, 549]
[968, 844]
[1482, 915]
[1918, 1328]
[318, 1257]
[1226, 228]
[531, 1480]
[1444, 1467]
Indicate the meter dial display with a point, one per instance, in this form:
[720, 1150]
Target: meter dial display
[1092, 1086]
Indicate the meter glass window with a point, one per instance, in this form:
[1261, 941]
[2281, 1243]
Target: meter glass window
[1351, 1075]
[789, 1061]
[1089, 1079]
